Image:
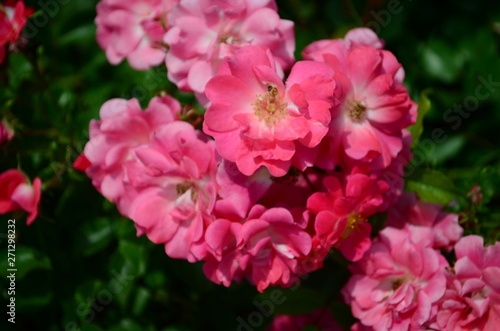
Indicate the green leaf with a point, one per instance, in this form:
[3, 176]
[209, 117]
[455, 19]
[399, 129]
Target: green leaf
[432, 186]
[141, 301]
[424, 105]
[96, 235]
[26, 260]
[447, 150]
[129, 325]
[442, 62]
[136, 255]
[20, 69]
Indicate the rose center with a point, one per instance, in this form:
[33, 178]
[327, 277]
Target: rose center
[357, 110]
[182, 188]
[269, 107]
[353, 221]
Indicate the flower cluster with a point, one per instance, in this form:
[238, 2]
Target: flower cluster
[13, 15]
[293, 159]
[403, 282]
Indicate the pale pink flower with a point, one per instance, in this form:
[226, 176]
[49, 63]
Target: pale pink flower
[258, 121]
[123, 126]
[322, 319]
[134, 30]
[472, 298]
[398, 281]
[265, 248]
[341, 213]
[174, 177]
[17, 194]
[6, 133]
[374, 105]
[204, 32]
[410, 210]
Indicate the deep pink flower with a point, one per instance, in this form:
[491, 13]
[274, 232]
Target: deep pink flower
[13, 16]
[410, 210]
[398, 281]
[265, 248]
[81, 163]
[342, 212]
[472, 298]
[374, 105]
[17, 194]
[123, 126]
[134, 30]
[258, 121]
[174, 177]
[6, 133]
[205, 32]
[322, 319]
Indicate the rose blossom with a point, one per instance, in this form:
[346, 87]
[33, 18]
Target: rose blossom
[174, 177]
[17, 194]
[13, 15]
[472, 298]
[266, 248]
[410, 210]
[342, 212]
[133, 29]
[374, 106]
[205, 32]
[398, 281]
[258, 121]
[123, 126]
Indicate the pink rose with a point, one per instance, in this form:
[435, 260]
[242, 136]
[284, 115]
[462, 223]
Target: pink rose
[472, 298]
[257, 120]
[410, 210]
[17, 194]
[13, 15]
[398, 282]
[122, 128]
[133, 30]
[374, 106]
[205, 32]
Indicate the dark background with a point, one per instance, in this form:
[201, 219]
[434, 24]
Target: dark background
[81, 266]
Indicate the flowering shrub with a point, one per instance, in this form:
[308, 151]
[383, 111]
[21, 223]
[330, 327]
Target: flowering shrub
[301, 175]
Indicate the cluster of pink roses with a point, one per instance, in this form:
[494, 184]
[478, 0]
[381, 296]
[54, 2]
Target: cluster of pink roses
[403, 282]
[13, 15]
[297, 165]
[303, 154]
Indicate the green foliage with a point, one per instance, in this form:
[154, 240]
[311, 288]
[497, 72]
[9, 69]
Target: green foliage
[81, 266]
[424, 105]
[432, 186]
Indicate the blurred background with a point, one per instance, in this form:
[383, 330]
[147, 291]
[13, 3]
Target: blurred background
[81, 266]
